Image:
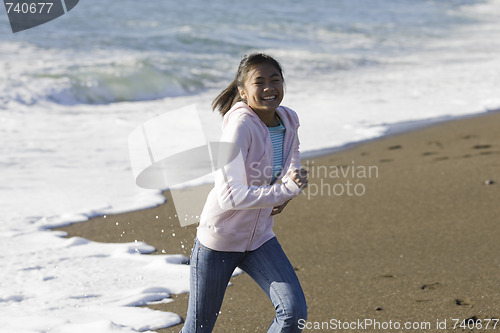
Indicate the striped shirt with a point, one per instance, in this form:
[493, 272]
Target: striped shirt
[277, 137]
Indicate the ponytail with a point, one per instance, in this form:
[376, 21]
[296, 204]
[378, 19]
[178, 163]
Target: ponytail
[227, 98]
[231, 95]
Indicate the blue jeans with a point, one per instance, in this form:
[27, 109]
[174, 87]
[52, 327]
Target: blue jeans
[268, 266]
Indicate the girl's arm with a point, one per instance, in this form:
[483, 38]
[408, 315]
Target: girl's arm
[300, 178]
[234, 192]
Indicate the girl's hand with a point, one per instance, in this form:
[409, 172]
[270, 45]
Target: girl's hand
[300, 177]
[279, 209]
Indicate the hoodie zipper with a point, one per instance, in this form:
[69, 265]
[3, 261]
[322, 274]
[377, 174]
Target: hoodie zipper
[254, 230]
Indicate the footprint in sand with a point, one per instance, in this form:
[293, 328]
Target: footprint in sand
[463, 302]
[442, 158]
[436, 143]
[423, 300]
[388, 276]
[431, 286]
[484, 149]
[481, 147]
[468, 136]
[394, 147]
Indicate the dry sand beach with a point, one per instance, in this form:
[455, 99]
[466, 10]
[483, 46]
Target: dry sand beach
[413, 238]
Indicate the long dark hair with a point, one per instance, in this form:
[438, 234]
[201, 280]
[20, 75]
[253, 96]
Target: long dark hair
[230, 96]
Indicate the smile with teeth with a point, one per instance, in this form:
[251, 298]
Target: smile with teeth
[269, 98]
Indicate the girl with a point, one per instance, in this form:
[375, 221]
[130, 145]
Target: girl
[236, 223]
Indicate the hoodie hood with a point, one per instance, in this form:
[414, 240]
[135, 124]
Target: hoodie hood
[237, 109]
[242, 108]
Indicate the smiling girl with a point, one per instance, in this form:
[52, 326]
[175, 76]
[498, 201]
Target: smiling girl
[236, 223]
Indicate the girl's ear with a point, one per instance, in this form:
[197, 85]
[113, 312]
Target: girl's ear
[243, 95]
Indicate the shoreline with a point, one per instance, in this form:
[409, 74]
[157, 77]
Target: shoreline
[398, 128]
[412, 247]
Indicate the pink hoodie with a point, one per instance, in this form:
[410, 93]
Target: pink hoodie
[237, 214]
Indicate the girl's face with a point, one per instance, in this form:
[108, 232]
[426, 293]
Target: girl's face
[263, 88]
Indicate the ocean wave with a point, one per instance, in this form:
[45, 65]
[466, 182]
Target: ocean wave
[94, 81]
[115, 82]
[108, 82]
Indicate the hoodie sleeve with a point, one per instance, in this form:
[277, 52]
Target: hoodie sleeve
[233, 190]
